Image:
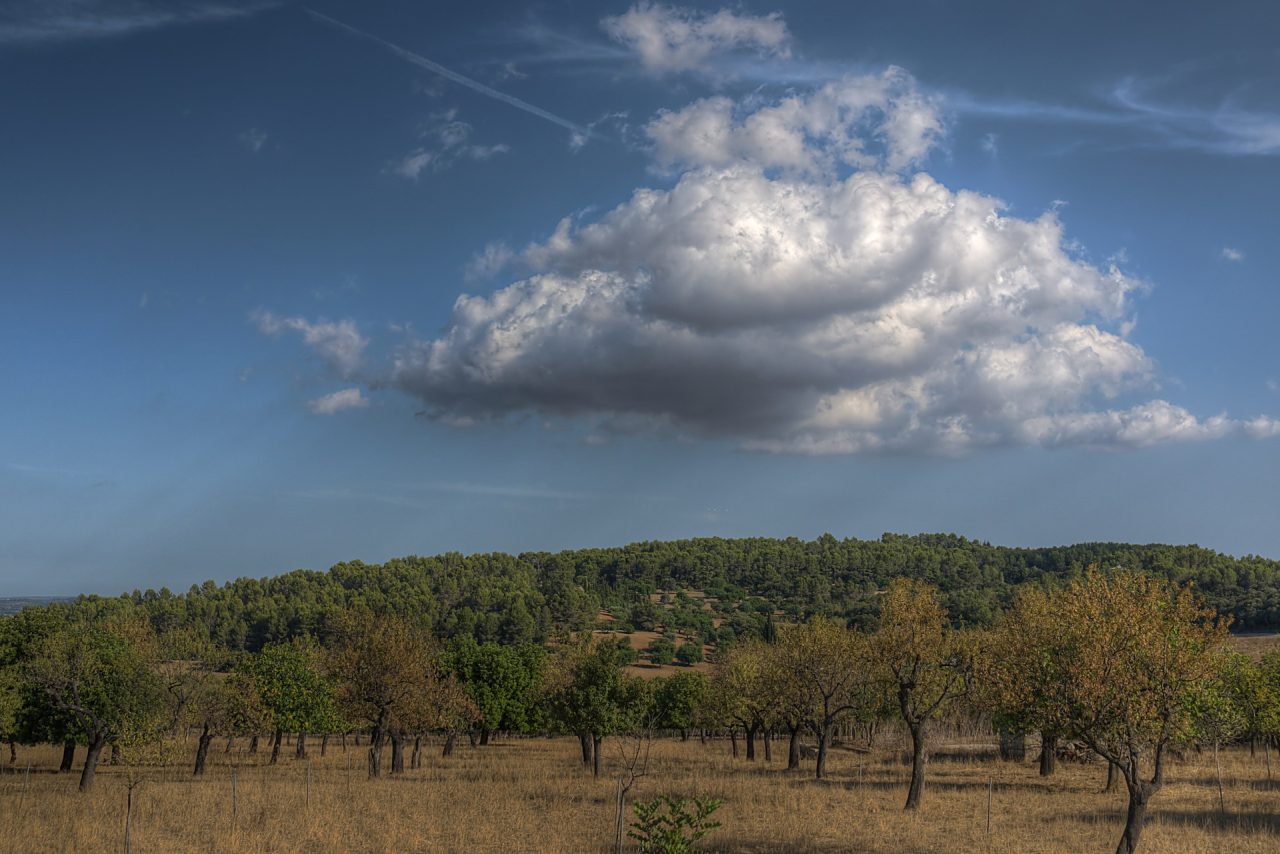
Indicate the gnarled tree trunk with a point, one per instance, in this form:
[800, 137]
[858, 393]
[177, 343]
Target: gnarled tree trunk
[68, 756]
[301, 751]
[793, 747]
[202, 749]
[96, 743]
[397, 752]
[824, 742]
[595, 755]
[375, 746]
[918, 759]
[448, 744]
[275, 747]
[751, 742]
[1048, 754]
[1140, 793]
[584, 741]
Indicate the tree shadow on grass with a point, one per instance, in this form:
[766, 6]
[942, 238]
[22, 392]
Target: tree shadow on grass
[1246, 821]
[876, 782]
[774, 846]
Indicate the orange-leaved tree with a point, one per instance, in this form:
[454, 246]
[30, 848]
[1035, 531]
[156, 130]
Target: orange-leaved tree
[1126, 659]
[923, 663]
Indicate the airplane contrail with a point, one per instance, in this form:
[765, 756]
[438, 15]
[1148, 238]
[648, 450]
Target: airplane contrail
[437, 68]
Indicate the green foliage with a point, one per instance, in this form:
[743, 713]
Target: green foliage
[1250, 693]
[690, 652]
[98, 678]
[537, 597]
[292, 688]
[588, 694]
[501, 681]
[677, 698]
[661, 650]
[668, 825]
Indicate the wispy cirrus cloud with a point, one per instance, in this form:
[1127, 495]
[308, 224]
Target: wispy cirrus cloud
[253, 139]
[1142, 113]
[453, 76]
[448, 140]
[1227, 127]
[37, 21]
[413, 496]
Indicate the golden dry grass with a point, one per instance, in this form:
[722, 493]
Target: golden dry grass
[532, 795]
[1256, 644]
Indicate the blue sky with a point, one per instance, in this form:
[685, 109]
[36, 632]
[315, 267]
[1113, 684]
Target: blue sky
[276, 293]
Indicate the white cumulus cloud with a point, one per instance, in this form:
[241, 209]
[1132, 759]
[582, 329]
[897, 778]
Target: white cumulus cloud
[863, 121]
[873, 312]
[794, 292]
[339, 344]
[339, 401]
[1233, 255]
[668, 38]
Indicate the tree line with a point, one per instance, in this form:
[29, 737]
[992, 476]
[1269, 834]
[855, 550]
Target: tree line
[539, 596]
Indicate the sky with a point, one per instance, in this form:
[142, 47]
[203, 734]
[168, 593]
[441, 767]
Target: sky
[284, 285]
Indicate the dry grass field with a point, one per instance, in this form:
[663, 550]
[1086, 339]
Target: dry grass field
[532, 795]
[1256, 644]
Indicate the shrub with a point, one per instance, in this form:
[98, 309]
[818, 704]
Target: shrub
[667, 825]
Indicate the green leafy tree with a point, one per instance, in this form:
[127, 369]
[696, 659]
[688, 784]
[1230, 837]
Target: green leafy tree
[740, 691]
[676, 700]
[502, 682]
[661, 650]
[587, 694]
[690, 652]
[101, 676]
[27, 715]
[1253, 689]
[292, 686]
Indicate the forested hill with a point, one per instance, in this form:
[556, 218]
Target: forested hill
[538, 595]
